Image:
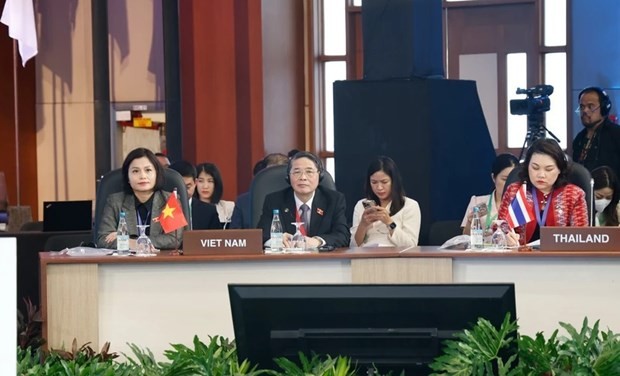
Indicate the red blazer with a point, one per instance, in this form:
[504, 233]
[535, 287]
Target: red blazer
[568, 204]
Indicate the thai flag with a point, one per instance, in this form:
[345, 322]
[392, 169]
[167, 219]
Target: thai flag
[518, 212]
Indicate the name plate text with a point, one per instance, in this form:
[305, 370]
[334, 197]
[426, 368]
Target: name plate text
[580, 238]
[223, 242]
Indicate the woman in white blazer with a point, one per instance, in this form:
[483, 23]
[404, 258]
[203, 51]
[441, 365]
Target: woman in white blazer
[386, 217]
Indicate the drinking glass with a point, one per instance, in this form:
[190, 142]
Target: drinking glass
[498, 239]
[145, 247]
[298, 241]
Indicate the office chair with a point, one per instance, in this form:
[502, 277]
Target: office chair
[577, 174]
[112, 182]
[272, 179]
[32, 226]
[441, 231]
[60, 242]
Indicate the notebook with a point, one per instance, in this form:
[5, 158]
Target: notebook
[67, 215]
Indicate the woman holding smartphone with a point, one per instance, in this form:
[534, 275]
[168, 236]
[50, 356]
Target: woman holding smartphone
[488, 204]
[385, 217]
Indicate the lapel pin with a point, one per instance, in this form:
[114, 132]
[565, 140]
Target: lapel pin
[319, 211]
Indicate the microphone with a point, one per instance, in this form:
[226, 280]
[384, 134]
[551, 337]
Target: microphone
[592, 202]
[228, 218]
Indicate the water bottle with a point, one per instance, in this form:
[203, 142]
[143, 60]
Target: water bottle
[276, 231]
[122, 236]
[476, 232]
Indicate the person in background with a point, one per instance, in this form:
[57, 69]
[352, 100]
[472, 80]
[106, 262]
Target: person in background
[323, 209]
[598, 144]
[550, 198]
[142, 200]
[201, 216]
[241, 213]
[210, 188]
[606, 196]
[488, 204]
[391, 218]
[163, 160]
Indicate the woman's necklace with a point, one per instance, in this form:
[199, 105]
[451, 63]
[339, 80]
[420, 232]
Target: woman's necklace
[543, 202]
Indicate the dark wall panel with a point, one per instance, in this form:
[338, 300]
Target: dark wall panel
[402, 39]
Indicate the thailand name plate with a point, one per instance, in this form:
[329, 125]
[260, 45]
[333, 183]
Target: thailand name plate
[223, 242]
[579, 238]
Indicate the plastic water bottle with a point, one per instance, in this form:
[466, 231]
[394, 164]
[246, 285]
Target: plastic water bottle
[476, 232]
[276, 231]
[122, 236]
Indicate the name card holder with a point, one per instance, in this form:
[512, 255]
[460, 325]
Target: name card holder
[223, 242]
[580, 239]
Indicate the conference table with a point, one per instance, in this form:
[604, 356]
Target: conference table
[169, 298]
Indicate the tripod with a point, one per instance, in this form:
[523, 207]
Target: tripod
[536, 129]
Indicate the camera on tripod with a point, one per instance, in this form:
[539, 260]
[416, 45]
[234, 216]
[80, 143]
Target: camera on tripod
[537, 100]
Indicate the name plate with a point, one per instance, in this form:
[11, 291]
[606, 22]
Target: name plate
[579, 238]
[223, 242]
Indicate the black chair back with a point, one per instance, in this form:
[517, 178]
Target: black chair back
[60, 242]
[112, 182]
[273, 179]
[577, 174]
[32, 226]
[441, 231]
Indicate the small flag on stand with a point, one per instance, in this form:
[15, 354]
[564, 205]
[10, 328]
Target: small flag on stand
[172, 217]
[518, 211]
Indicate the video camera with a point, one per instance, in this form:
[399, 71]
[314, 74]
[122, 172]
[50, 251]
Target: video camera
[537, 100]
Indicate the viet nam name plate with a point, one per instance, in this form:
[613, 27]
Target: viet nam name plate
[579, 238]
[223, 242]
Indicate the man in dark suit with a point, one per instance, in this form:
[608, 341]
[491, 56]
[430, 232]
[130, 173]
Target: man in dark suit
[304, 201]
[202, 216]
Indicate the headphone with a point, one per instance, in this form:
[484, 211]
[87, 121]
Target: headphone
[602, 97]
[310, 156]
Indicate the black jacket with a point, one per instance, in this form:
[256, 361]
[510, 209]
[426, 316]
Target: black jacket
[327, 218]
[605, 148]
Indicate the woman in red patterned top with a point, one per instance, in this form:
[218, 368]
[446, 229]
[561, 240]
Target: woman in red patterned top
[550, 199]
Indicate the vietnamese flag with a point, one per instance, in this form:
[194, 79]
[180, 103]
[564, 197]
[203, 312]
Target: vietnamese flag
[171, 217]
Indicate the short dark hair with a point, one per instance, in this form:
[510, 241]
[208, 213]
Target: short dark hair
[140, 153]
[218, 183]
[292, 153]
[387, 165]
[502, 162]
[605, 177]
[184, 168]
[275, 159]
[308, 155]
[550, 147]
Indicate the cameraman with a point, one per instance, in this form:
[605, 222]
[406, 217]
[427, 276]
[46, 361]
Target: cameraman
[598, 144]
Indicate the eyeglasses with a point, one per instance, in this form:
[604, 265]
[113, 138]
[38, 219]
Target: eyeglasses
[589, 108]
[297, 174]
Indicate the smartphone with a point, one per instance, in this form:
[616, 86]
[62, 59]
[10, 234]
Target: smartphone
[326, 248]
[482, 209]
[368, 203]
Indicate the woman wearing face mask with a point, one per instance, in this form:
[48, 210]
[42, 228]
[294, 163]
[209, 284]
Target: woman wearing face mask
[606, 196]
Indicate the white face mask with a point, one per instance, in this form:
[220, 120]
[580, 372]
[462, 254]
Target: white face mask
[601, 204]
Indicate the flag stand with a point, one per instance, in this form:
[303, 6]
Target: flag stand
[177, 251]
[16, 121]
